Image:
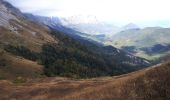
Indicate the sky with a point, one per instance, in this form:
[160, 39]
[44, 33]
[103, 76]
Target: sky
[143, 12]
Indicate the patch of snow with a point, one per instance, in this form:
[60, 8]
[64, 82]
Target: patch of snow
[118, 51]
[13, 29]
[34, 33]
[146, 62]
[129, 56]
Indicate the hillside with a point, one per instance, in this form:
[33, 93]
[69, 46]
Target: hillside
[14, 66]
[56, 23]
[15, 30]
[70, 58]
[51, 52]
[151, 43]
[148, 84]
[40, 61]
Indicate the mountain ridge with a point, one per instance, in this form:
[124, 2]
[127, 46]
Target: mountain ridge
[61, 51]
[130, 26]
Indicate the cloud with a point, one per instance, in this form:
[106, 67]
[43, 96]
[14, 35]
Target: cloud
[109, 10]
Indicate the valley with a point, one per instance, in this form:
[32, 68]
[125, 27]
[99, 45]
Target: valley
[60, 52]
[80, 58]
[138, 41]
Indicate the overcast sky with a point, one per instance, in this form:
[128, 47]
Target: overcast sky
[121, 11]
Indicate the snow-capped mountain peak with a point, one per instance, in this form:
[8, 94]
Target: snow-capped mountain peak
[79, 19]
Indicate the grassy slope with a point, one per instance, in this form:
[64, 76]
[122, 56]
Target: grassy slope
[149, 84]
[12, 67]
[142, 38]
[25, 35]
[147, 37]
[18, 66]
[18, 31]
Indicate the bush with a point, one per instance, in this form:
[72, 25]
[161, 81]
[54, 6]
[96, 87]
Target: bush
[2, 62]
[22, 51]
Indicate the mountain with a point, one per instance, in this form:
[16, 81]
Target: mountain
[48, 51]
[56, 24]
[89, 24]
[150, 84]
[40, 61]
[151, 43]
[94, 28]
[83, 24]
[50, 21]
[17, 31]
[129, 26]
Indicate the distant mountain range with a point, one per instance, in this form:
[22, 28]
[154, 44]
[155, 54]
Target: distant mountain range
[84, 24]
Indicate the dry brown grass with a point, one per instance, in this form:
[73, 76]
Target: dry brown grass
[25, 36]
[18, 67]
[149, 84]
